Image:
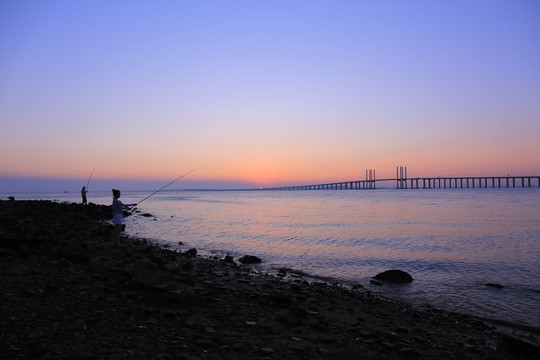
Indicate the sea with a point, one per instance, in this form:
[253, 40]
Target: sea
[451, 241]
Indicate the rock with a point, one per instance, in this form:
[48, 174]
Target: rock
[182, 356]
[75, 253]
[99, 270]
[409, 352]
[394, 276]
[229, 259]
[517, 346]
[187, 266]
[24, 250]
[403, 330]
[191, 252]
[37, 334]
[346, 354]
[8, 241]
[497, 286]
[285, 316]
[250, 259]
[298, 311]
[174, 299]
[146, 276]
[52, 286]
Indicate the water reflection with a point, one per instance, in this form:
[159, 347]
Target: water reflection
[451, 241]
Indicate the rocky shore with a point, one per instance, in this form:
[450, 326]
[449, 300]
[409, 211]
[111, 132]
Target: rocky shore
[66, 292]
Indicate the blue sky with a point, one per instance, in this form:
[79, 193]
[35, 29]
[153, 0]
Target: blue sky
[268, 92]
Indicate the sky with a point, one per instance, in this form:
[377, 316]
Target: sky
[267, 92]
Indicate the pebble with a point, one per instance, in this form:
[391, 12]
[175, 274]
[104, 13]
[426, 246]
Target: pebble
[267, 350]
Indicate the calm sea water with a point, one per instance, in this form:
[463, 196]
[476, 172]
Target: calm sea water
[451, 241]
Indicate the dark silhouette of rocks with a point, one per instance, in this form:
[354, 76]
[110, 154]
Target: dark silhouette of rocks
[250, 259]
[497, 286]
[228, 259]
[66, 292]
[394, 276]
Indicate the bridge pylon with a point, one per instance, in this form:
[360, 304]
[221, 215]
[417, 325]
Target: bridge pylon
[401, 176]
[370, 179]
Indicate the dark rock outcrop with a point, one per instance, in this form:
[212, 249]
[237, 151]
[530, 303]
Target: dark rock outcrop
[148, 275]
[228, 259]
[518, 347]
[250, 259]
[394, 276]
[497, 286]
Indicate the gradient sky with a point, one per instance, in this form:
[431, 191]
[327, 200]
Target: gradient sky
[269, 92]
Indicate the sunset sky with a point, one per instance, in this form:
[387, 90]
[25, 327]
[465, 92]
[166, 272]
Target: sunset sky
[268, 92]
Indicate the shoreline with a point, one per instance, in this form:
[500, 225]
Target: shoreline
[292, 274]
[69, 293]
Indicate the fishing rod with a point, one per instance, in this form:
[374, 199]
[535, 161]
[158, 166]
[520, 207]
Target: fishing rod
[92, 173]
[175, 180]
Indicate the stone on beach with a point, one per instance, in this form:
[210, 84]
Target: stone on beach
[250, 259]
[147, 275]
[493, 285]
[518, 347]
[394, 276]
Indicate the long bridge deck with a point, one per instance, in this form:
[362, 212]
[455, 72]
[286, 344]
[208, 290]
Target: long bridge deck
[425, 183]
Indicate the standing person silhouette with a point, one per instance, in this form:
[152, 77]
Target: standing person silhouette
[118, 208]
[83, 194]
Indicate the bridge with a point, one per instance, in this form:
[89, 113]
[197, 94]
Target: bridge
[404, 182]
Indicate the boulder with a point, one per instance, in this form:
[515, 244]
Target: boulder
[250, 259]
[8, 240]
[148, 276]
[519, 347]
[75, 253]
[394, 276]
[493, 285]
[191, 252]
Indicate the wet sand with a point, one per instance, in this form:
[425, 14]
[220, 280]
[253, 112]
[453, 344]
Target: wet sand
[66, 292]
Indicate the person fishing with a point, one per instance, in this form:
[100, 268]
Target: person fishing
[118, 208]
[83, 194]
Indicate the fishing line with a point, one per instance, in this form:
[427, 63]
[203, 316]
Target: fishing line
[92, 173]
[175, 180]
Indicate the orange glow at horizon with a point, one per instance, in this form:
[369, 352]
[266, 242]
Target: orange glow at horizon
[275, 169]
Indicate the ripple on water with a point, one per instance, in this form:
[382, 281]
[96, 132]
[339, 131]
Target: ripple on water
[451, 242]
